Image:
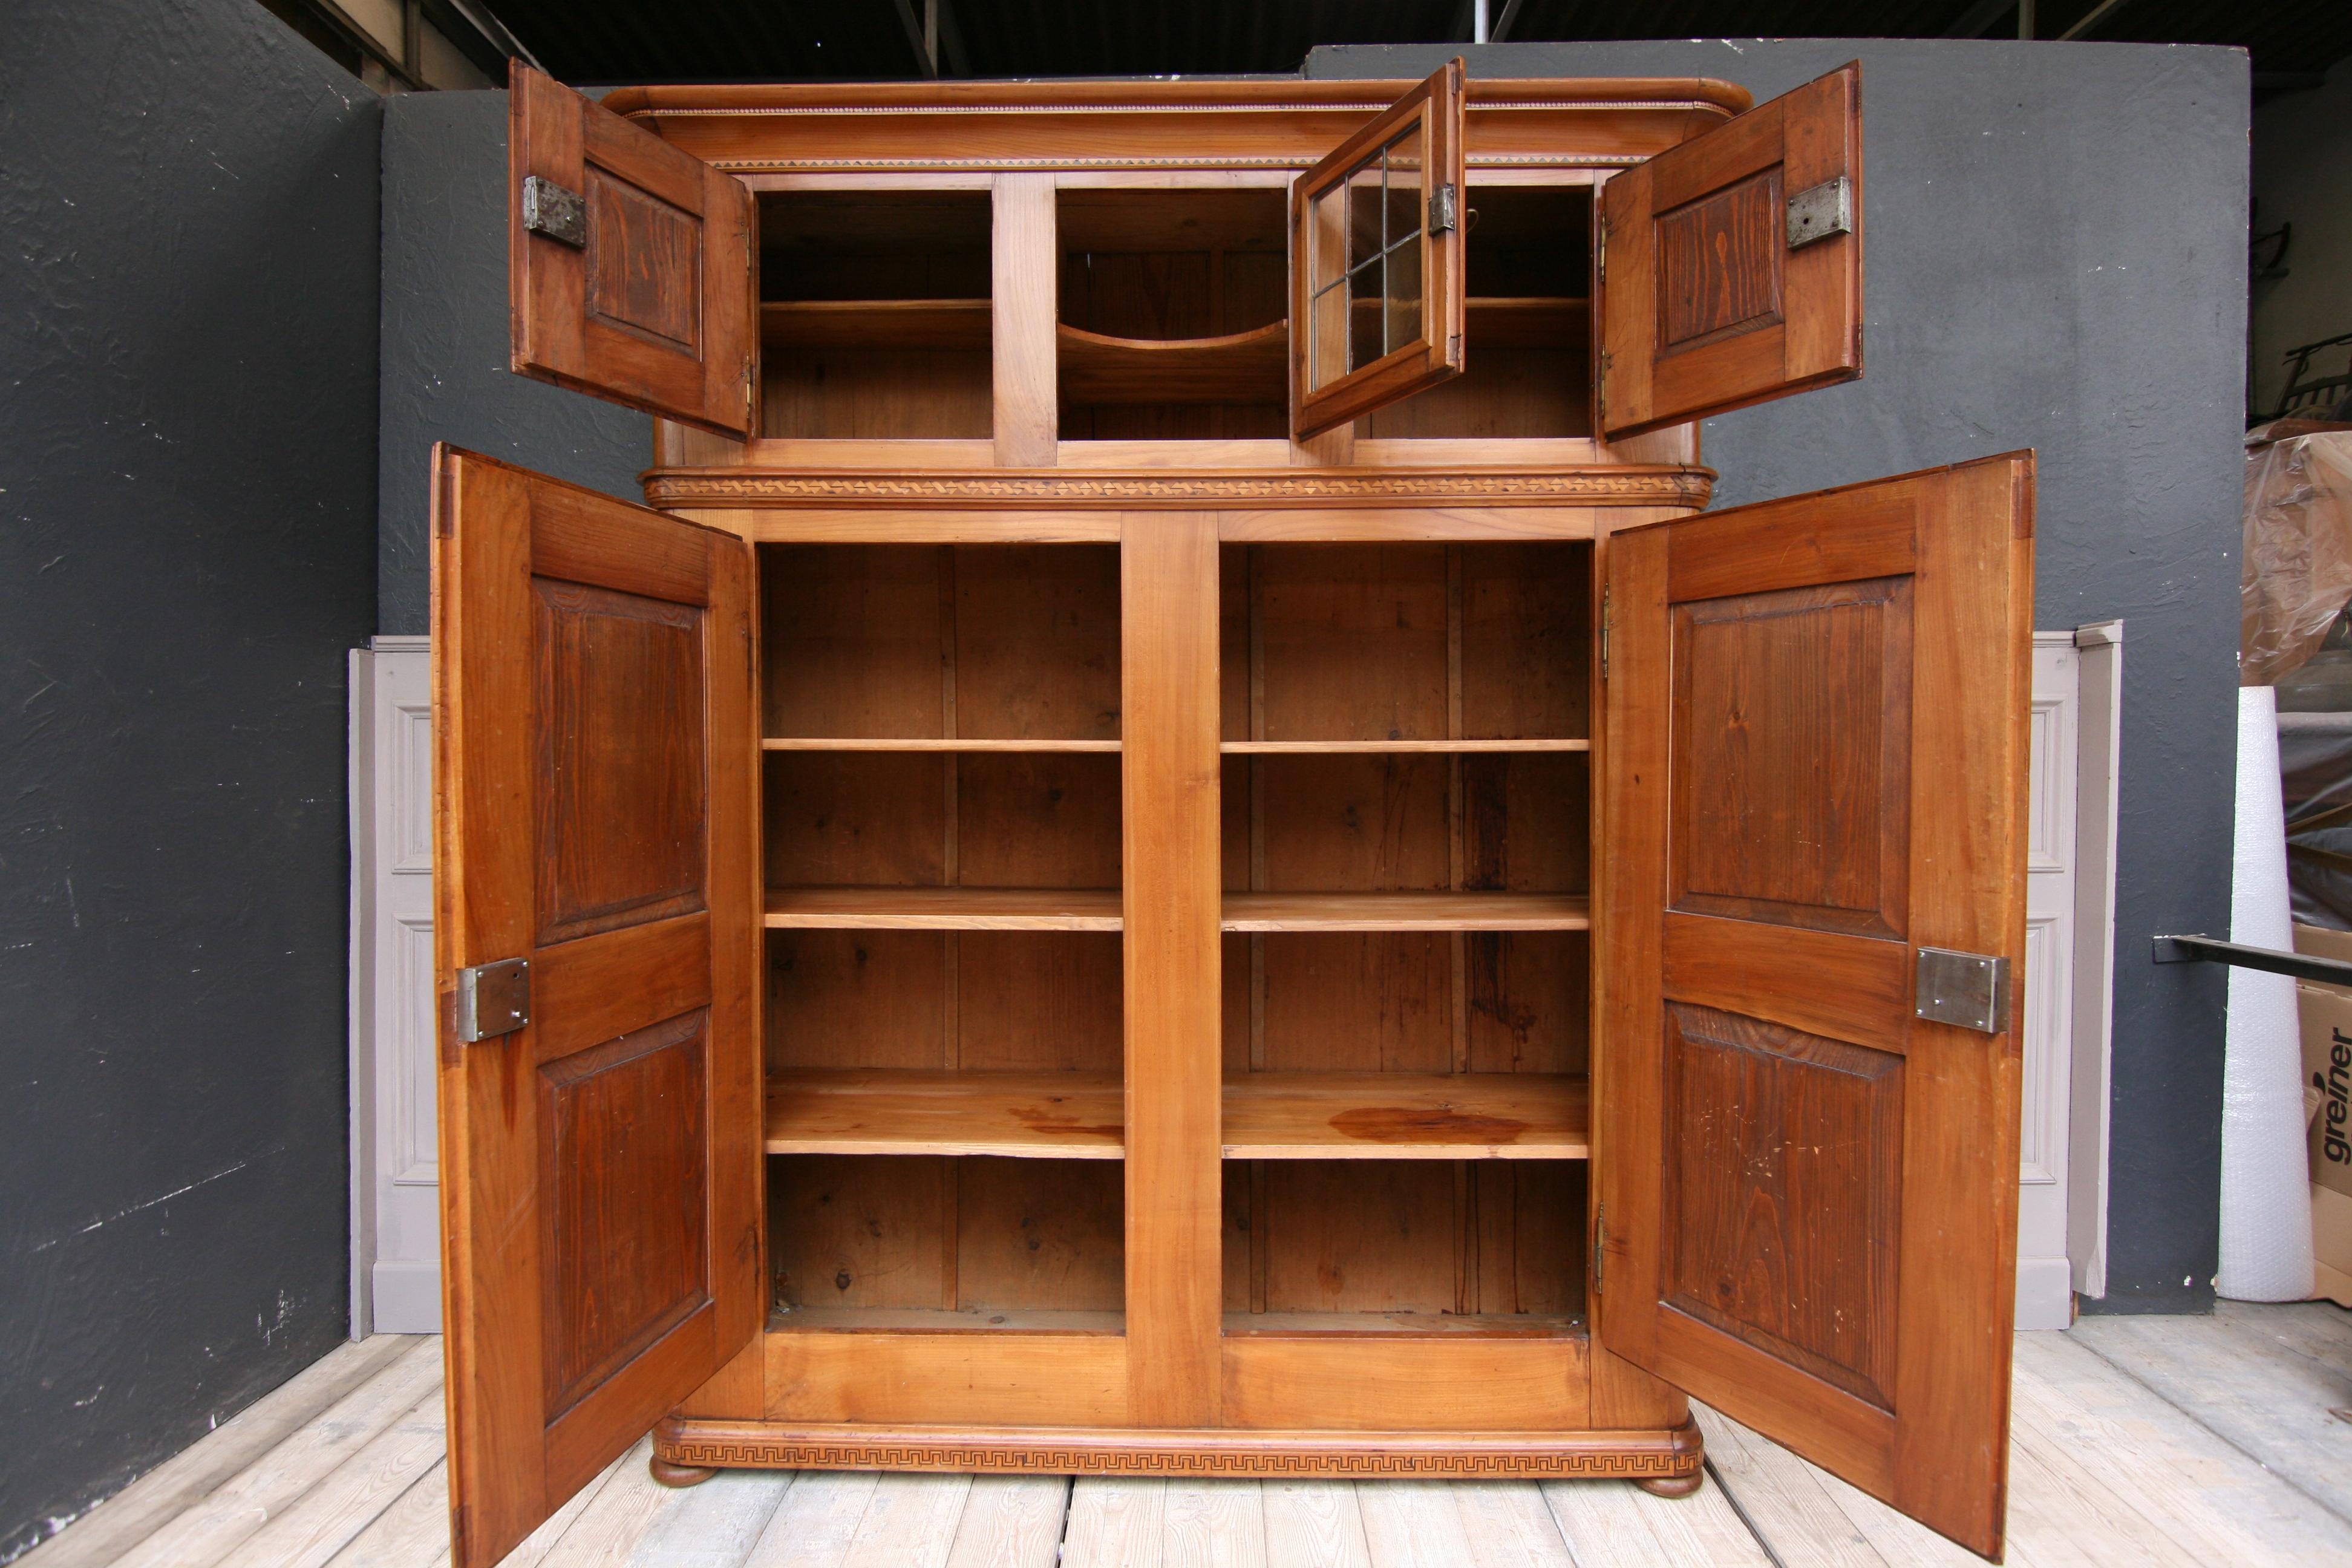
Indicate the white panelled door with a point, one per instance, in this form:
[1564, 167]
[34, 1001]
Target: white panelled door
[2045, 1278]
[395, 1177]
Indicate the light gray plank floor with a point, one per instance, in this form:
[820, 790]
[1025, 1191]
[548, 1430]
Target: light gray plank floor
[2213, 1442]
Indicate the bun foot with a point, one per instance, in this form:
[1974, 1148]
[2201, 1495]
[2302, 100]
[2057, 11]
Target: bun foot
[671, 1475]
[1671, 1486]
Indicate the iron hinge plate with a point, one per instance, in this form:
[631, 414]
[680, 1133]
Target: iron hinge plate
[1600, 1241]
[1607, 620]
[1445, 209]
[1821, 211]
[1601, 251]
[493, 999]
[554, 211]
[1969, 990]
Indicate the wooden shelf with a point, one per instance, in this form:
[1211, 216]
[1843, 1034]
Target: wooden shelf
[939, 1320]
[855, 743]
[876, 324]
[1407, 1116]
[1026, 1115]
[944, 909]
[1314, 748]
[1240, 367]
[1402, 1325]
[1406, 912]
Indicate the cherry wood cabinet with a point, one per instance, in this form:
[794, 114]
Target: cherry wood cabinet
[1175, 846]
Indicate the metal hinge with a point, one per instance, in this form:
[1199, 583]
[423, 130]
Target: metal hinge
[549, 209]
[1822, 211]
[1605, 621]
[1443, 206]
[751, 393]
[1601, 251]
[493, 999]
[1968, 989]
[1599, 1240]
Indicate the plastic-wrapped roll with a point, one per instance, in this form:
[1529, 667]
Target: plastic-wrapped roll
[2266, 1190]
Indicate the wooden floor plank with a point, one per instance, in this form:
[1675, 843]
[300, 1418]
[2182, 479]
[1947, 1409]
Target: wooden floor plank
[1213, 1524]
[538, 1548]
[1615, 1524]
[1504, 1524]
[346, 1501]
[109, 1531]
[231, 1512]
[715, 1524]
[1412, 1524]
[1314, 1524]
[1783, 1500]
[2264, 1394]
[414, 1532]
[604, 1533]
[1115, 1523]
[2072, 1409]
[1011, 1522]
[817, 1522]
[910, 1522]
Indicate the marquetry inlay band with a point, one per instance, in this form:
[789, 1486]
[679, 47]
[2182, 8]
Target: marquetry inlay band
[1530, 1455]
[1628, 486]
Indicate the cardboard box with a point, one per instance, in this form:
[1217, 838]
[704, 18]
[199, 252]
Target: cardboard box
[2326, 1014]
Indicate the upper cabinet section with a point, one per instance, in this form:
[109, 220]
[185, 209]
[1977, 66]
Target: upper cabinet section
[1730, 266]
[1376, 273]
[630, 264]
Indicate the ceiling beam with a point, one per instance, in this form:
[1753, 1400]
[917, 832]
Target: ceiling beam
[1503, 23]
[924, 40]
[2091, 18]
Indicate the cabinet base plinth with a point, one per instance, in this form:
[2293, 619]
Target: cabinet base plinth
[1671, 1486]
[1660, 1460]
[676, 1475]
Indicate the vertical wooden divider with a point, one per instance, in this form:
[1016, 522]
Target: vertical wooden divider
[1169, 783]
[1025, 275]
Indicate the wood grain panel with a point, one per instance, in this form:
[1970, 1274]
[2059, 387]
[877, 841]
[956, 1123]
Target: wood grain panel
[1527, 640]
[644, 269]
[1439, 1383]
[855, 819]
[1040, 1234]
[946, 1379]
[1037, 820]
[856, 1232]
[1783, 1196]
[619, 785]
[1042, 1001]
[1791, 731]
[1352, 640]
[852, 640]
[1719, 263]
[1372, 1236]
[1037, 642]
[1168, 634]
[1405, 1116]
[598, 988]
[858, 999]
[622, 1136]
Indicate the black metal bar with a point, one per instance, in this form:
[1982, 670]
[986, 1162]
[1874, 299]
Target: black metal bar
[2211, 950]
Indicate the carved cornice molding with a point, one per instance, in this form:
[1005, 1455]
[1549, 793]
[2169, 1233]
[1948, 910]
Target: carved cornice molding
[1178, 489]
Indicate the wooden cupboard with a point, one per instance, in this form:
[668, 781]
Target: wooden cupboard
[1173, 846]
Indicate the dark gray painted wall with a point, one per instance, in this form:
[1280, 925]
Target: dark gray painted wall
[445, 340]
[187, 549]
[2057, 237]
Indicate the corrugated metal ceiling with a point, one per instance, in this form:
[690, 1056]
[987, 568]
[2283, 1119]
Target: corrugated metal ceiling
[714, 41]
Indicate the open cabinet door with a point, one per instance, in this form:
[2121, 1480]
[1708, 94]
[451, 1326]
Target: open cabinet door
[633, 268]
[1729, 267]
[595, 881]
[1376, 284]
[1815, 792]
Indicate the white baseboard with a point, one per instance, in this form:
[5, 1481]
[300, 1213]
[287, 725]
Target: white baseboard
[2045, 1293]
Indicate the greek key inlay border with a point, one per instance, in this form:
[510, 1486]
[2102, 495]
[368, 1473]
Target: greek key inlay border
[842, 1456]
[1665, 1456]
[1591, 487]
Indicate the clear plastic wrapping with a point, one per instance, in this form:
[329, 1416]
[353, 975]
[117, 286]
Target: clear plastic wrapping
[2297, 571]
